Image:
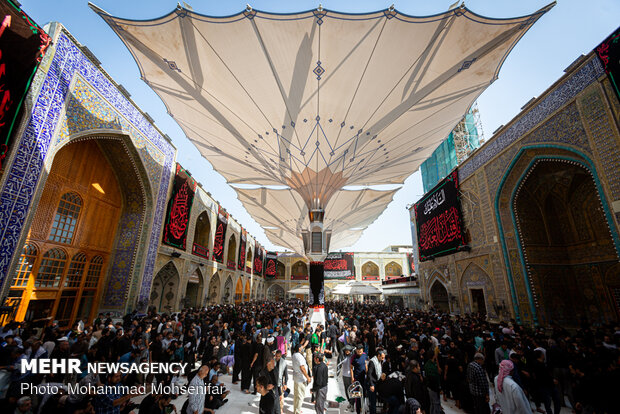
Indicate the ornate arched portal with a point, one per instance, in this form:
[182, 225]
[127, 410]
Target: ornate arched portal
[202, 235]
[275, 293]
[227, 291]
[193, 290]
[566, 242]
[165, 288]
[239, 292]
[246, 293]
[92, 193]
[214, 289]
[439, 297]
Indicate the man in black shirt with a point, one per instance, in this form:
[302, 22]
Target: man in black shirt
[257, 359]
[319, 386]
[267, 403]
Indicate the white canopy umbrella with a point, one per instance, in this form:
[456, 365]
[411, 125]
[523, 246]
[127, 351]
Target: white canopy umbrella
[318, 101]
[355, 287]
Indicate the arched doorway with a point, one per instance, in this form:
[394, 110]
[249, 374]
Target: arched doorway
[275, 293]
[231, 256]
[227, 292]
[165, 288]
[246, 293]
[566, 242]
[214, 289]
[202, 234]
[439, 297]
[393, 270]
[193, 290]
[299, 271]
[370, 271]
[69, 247]
[239, 292]
[280, 270]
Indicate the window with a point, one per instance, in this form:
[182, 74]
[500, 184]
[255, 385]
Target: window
[24, 267]
[52, 266]
[76, 270]
[65, 307]
[66, 218]
[94, 272]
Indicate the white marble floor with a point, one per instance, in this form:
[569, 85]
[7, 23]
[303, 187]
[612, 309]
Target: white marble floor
[241, 403]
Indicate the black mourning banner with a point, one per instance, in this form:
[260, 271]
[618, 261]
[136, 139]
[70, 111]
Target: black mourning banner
[220, 234]
[271, 262]
[179, 209]
[438, 219]
[258, 260]
[339, 266]
[241, 259]
[317, 293]
[609, 54]
[22, 46]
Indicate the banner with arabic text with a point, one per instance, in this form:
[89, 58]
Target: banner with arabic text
[438, 219]
[220, 235]
[339, 266]
[258, 260]
[179, 209]
[241, 259]
[609, 54]
[271, 264]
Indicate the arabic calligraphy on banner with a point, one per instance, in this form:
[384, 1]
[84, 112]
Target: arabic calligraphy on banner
[339, 266]
[179, 208]
[258, 260]
[438, 220]
[271, 262]
[220, 234]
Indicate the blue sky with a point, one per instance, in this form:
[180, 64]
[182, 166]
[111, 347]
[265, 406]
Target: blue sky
[571, 28]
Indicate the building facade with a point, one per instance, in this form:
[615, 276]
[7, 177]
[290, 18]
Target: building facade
[84, 190]
[370, 267]
[541, 206]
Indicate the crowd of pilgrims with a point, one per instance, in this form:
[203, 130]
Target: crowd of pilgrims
[405, 361]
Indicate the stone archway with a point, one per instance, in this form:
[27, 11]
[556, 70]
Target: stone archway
[370, 271]
[239, 292]
[275, 293]
[566, 243]
[164, 293]
[214, 289]
[202, 235]
[231, 253]
[227, 291]
[439, 297]
[246, 292]
[193, 290]
[393, 270]
[477, 291]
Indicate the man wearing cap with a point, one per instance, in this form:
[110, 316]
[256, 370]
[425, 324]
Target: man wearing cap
[300, 378]
[478, 384]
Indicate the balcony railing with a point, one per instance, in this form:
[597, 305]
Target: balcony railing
[403, 279]
[198, 250]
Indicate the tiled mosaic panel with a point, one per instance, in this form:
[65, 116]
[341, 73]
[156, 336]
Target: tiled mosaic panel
[543, 109]
[26, 169]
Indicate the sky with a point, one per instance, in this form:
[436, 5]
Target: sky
[571, 28]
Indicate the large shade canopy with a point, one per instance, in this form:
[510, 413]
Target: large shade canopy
[318, 100]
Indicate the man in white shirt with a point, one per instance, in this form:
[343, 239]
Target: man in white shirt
[300, 378]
